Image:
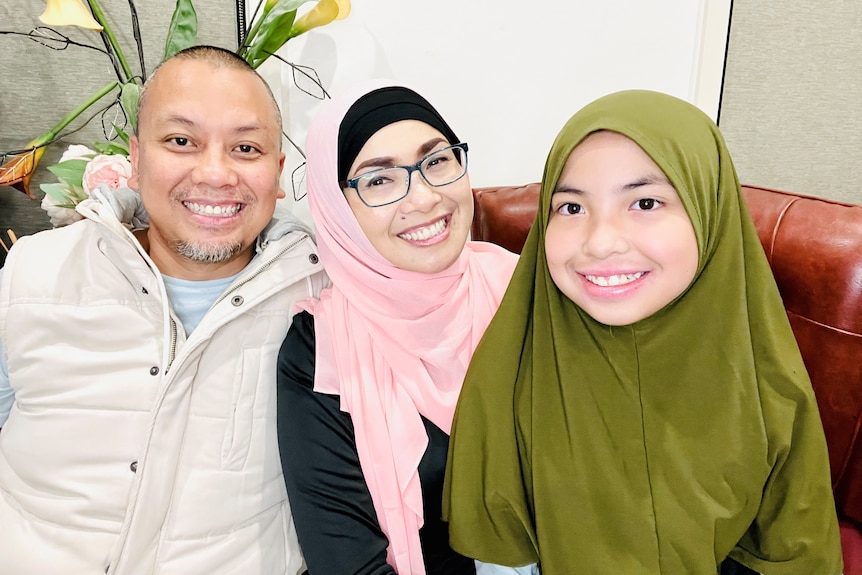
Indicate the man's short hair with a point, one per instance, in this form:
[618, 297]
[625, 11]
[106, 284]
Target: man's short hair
[217, 58]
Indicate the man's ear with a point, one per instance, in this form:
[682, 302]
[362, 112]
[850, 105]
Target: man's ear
[281, 192]
[134, 181]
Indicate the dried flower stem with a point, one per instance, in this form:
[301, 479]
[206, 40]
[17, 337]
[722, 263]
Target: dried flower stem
[51, 134]
[136, 32]
[100, 17]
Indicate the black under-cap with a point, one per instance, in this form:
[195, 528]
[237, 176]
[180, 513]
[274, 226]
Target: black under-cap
[377, 110]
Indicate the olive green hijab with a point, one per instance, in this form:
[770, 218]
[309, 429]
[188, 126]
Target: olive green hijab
[658, 447]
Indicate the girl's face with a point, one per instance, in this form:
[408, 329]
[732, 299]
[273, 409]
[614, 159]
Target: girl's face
[426, 230]
[619, 242]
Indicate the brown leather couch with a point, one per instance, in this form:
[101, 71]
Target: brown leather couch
[815, 249]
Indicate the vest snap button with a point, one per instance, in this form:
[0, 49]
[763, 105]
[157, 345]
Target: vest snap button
[134, 466]
[237, 300]
[154, 370]
[313, 258]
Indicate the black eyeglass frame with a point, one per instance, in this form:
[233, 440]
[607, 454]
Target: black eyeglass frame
[352, 182]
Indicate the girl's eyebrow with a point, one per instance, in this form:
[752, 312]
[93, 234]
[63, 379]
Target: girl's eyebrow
[651, 179]
[567, 190]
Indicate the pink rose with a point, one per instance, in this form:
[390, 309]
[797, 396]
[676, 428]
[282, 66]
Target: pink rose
[113, 170]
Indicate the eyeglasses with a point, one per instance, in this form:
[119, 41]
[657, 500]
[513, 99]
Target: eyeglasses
[389, 185]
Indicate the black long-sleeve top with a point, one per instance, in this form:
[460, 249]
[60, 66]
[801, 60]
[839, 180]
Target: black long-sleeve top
[332, 508]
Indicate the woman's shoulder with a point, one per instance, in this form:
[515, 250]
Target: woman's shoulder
[296, 356]
[303, 324]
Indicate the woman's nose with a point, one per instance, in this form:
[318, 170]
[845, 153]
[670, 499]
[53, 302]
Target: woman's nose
[420, 195]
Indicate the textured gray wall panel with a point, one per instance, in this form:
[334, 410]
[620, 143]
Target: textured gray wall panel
[38, 86]
[792, 101]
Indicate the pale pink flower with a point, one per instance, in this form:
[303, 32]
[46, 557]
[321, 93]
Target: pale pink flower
[58, 215]
[112, 170]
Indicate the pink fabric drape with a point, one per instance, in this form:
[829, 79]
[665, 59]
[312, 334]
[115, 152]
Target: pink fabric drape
[393, 344]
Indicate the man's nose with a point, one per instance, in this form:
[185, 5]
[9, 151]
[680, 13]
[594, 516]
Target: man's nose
[214, 168]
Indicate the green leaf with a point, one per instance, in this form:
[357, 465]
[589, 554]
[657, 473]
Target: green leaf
[183, 30]
[273, 31]
[57, 191]
[66, 196]
[129, 101]
[110, 148]
[70, 172]
[123, 136]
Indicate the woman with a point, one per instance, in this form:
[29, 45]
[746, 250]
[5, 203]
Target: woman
[369, 374]
[639, 404]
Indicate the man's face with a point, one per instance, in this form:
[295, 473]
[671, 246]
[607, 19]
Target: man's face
[206, 160]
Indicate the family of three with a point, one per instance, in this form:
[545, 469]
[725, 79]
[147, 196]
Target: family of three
[626, 397]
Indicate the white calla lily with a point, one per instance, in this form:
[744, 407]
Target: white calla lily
[69, 13]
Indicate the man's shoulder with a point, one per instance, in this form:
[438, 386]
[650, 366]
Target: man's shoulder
[54, 244]
[297, 259]
[62, 260]
[289, 243]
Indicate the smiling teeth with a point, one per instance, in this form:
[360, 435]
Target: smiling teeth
[210, 210]
[425, 233]
[616, 280]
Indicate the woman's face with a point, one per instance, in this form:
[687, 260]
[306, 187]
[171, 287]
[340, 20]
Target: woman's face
[619, 242]
[426, 230]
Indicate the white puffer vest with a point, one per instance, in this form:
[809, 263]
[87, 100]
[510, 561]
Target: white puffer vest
[130, 449]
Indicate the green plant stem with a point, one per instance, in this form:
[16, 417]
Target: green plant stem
[49, 136]
[255, 27]
[100, 16]
[250, 37]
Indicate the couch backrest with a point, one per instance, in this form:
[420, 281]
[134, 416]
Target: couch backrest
[815, 249]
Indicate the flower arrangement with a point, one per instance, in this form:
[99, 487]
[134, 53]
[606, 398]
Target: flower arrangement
[81, 169]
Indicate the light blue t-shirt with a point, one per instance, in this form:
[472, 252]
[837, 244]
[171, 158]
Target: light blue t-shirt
[490, 569]
[190, 300]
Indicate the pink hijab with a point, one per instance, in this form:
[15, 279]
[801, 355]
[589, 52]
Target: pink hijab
[392, 344]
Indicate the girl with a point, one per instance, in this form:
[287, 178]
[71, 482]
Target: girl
[639, 404]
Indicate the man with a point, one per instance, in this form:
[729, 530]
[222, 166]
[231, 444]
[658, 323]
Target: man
[141, 437]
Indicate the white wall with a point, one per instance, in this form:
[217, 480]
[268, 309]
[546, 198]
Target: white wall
[507, 78]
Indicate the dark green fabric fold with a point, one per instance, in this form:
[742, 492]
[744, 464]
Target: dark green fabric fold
[659, 447]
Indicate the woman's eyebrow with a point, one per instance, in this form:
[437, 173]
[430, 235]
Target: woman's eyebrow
[425, 148]
[389, 161]
[381, 162]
